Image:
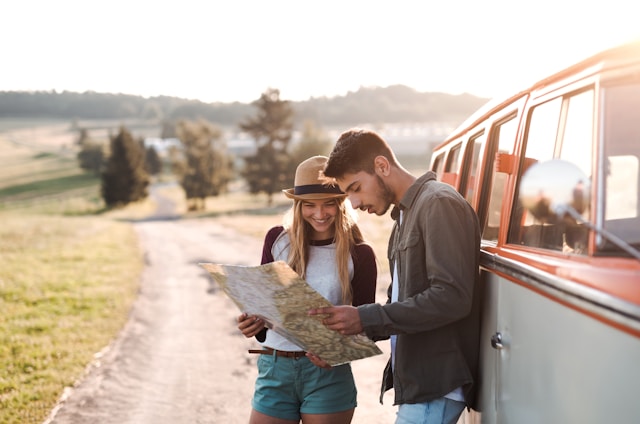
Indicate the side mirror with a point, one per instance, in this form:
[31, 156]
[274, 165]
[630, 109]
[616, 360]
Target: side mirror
[556, 188]
[551, 189]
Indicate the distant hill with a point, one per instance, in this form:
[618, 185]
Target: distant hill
[374, 105]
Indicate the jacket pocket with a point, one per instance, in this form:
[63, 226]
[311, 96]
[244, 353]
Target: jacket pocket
[409, 241]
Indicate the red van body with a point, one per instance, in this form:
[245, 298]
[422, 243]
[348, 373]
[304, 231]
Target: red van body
[561, 292]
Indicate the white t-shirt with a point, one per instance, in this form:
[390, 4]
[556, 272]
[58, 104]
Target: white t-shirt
[321, 274]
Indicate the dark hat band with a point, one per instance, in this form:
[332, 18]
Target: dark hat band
[316, 188]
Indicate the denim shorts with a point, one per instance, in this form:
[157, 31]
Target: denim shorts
[287, 387]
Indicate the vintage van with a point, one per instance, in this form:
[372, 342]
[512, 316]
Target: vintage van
[554, 175]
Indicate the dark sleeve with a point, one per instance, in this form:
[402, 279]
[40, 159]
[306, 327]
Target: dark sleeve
[267, 257]
[365, 273]
[269, 239]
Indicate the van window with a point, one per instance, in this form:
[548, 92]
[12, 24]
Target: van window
[453, 159]
[561, 128]
[450, 175]
[474, 162]
[438, 165]
[577, 137]
[622, 188]
[621, 163]
[542, 131]
[504, 137]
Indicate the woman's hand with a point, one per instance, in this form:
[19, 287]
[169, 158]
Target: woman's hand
[250, 325]
[315, 360]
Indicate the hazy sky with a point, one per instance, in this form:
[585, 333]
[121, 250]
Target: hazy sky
[233, 50]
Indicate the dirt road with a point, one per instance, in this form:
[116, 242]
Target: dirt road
[180, 359]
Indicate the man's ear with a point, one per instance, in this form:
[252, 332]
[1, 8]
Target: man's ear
[382, 166]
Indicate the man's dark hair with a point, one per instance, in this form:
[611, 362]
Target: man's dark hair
[355, 151]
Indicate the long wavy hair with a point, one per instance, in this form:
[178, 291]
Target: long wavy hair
[347, 235]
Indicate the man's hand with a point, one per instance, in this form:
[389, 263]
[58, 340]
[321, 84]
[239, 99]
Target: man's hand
[250, 325]
[317, 361]
[343, 319]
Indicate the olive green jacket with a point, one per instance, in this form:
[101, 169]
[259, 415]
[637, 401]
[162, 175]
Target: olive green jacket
[437, 315]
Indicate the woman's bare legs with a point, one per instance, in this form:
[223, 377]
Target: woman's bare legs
[343, 417]
[260, 418]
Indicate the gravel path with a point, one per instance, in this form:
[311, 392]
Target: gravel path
[180, 358]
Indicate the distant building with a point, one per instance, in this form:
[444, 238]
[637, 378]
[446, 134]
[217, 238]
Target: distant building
[161, 145]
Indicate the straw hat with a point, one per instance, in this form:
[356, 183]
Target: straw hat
[308, 182]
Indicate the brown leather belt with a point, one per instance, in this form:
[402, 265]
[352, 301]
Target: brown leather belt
[269, 351]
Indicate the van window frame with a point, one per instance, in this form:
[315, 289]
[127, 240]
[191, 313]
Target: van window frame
[468, 163]
[489, 171]
[563, 98]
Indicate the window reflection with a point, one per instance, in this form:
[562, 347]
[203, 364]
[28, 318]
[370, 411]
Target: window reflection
[560, 128]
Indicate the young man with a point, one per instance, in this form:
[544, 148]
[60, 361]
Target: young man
[432, 313]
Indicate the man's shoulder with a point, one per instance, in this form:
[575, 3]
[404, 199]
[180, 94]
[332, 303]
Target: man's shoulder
[430, 186]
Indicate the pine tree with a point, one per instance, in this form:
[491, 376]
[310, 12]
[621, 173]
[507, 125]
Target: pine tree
[152, 161]
[313, 141]
[268, 171]
[124, 179]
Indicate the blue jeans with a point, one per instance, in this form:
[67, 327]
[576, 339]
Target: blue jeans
[438, 411]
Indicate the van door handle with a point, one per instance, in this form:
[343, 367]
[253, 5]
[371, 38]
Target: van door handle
[496, 341]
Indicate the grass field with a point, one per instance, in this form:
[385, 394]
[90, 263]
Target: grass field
[69, 269]
[66, 286]
[69, 273]
[40, 180]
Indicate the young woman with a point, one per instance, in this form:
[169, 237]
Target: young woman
[320, 241]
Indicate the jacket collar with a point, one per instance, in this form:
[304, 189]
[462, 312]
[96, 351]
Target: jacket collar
[411, 194]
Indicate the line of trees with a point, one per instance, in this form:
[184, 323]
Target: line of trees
[393, 104]
[203, 165]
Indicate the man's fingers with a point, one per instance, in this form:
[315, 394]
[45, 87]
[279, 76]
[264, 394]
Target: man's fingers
[333, 324]
[321, 311]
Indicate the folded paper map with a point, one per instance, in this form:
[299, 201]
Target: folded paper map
[278, 295]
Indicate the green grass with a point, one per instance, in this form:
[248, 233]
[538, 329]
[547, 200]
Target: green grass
[66, 286]
[45, 181]
[47, 186]
[69, 272]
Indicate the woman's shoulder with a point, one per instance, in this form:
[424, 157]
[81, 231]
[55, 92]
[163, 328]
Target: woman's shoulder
[273, 234]
[363, 251]
[275, 231]
[269, 240]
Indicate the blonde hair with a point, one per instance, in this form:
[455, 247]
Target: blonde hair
[347, 236]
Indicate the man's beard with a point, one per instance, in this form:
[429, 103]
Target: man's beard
[386, 195]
